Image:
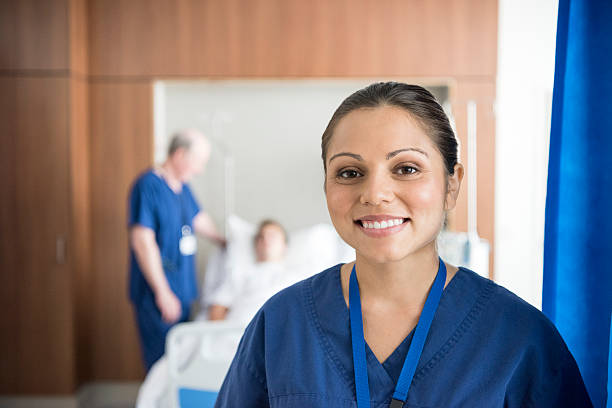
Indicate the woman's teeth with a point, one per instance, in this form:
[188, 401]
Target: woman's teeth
[382, 224]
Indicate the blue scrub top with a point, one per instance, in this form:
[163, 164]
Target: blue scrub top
[486, 348]
[153, 204]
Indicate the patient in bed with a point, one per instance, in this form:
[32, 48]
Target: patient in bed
[248, 287]
[241, 280]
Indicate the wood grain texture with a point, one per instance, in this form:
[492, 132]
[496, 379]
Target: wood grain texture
[43, 330]
[10, 261]
[34, 35]
[78, 36]
[121, 147]
[80, 217]
[282, 38]
[38, 336]
[80, 204]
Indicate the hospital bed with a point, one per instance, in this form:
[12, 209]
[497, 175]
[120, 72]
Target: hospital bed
[199, 356]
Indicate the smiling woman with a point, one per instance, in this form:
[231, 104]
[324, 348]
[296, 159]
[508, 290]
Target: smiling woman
[383, 166]
[398, 326]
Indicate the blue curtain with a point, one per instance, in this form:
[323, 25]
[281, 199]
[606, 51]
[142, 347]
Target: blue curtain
[577, 291]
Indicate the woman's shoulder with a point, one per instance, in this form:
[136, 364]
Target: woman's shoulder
[508, 305]
[543, 367]
[505, 311]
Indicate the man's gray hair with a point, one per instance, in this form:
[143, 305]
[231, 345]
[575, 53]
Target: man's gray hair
[183, 139]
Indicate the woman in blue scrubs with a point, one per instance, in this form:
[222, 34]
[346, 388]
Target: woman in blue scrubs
[397, 327]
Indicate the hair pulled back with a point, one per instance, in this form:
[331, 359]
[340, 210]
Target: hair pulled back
[415, 100]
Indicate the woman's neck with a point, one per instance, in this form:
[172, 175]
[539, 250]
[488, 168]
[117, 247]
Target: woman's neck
[406, 281]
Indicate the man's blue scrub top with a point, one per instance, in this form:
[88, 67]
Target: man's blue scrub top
[154, 205]
[486, 348]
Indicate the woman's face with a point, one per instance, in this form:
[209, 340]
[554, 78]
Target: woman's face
[386, 185]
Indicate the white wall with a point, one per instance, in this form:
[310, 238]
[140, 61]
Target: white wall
[526, 55]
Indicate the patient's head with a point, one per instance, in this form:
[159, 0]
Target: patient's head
[270, 242]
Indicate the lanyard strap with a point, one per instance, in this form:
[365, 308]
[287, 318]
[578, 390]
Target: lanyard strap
[184, 214]
[416, 346]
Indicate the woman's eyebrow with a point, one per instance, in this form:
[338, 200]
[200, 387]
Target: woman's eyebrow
[408, 149]
[389, 155]
[353, 155]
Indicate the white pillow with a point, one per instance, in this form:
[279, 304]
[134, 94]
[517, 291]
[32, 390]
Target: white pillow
[235, 258]
[317, 248]
[240, 243]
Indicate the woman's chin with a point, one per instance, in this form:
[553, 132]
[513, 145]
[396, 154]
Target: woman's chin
[386, 255]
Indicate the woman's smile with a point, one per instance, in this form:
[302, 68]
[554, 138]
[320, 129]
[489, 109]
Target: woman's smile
[378, 226]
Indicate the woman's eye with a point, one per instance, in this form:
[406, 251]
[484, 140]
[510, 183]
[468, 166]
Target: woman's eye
[348, 174]
[406, 170]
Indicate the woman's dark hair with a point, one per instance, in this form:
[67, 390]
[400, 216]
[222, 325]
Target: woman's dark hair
[415, 100]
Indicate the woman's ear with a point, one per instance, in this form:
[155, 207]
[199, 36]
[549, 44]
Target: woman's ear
[454, 184]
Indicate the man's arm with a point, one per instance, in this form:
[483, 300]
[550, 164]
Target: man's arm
[142, 241]
[204, 226]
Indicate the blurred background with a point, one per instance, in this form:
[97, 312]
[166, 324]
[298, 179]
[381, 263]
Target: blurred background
[92, 89]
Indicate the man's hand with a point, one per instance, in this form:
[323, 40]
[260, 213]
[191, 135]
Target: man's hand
[169, 306]
[217, 312]
[222, 242]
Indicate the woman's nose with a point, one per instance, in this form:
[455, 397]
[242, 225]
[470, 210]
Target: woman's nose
[377, 189]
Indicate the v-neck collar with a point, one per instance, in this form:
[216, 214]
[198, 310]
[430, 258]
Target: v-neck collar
[387, 371]
[331, 318]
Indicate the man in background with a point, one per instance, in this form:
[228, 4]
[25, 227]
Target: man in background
[163, 217]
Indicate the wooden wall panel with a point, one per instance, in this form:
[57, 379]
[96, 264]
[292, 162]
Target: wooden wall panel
[46, 292]
[40, 319]
[121, 147]
[9, 259]
[37, 336]
[78, 39]
[34, 35]
[280, 38]
[80, 204]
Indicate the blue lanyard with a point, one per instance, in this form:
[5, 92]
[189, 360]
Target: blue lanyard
[414, 352]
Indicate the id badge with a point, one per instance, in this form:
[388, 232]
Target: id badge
[188, 243]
